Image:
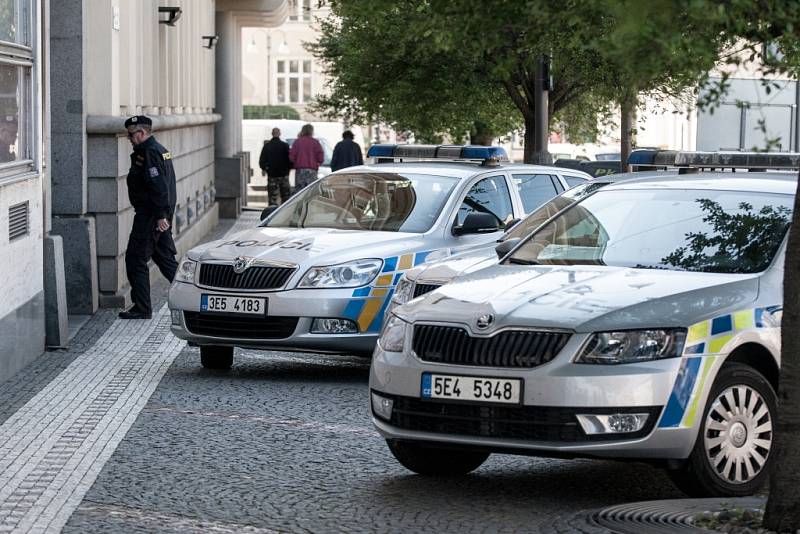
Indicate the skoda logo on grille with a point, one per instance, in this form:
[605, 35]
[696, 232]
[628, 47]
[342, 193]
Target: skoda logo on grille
[240, 264]
[485, 320]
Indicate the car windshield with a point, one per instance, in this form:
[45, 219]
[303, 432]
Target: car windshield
[691, 230]
[538, 217]
[385, 202]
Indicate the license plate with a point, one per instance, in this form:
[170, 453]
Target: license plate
[471, 388]
[232, 304]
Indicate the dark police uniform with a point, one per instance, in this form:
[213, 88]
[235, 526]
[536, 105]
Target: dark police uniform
[151, 189]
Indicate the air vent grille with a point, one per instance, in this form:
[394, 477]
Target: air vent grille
[18, 220]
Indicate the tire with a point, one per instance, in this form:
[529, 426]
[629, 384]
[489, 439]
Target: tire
[435, 461]
[216, 357]
[733, 451]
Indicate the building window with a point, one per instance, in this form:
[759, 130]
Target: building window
[16, 69]
[300, 10]
[293, 81]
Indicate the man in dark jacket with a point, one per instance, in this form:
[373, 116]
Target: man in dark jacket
[151, 190]
[274, 162]
[346, 153]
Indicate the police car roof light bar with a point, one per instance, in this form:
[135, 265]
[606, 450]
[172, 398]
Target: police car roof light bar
[484, 154]
[739, 160]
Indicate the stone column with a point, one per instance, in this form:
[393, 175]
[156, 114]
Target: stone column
[68, 148]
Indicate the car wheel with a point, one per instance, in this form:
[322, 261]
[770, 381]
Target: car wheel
[216, 357]
[733, 451]
[427, 460]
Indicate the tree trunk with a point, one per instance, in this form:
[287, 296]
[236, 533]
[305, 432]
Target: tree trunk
[783, 510]
[530, 132]
[627, 126]
[481, 135]
[541, 116]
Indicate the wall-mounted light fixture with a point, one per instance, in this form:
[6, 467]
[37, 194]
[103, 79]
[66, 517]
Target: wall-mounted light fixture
[211, 40]
[171, 15]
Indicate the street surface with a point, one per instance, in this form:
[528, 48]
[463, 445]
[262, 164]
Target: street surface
[126, 432]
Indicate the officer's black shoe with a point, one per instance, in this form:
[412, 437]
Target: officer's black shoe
[134, 313]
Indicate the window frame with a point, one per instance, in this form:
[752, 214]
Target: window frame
[22, 54]
[454, 221]
[283, 80]
[555, 182]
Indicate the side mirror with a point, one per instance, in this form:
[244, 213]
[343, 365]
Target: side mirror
[477, 223]
[266, 212]
[505, 247]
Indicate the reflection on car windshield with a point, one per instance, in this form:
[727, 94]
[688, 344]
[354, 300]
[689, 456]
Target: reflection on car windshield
[538, 217]
[367, 201]
[693, 230]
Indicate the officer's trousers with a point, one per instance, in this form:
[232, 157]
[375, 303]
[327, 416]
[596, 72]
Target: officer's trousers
[144, 243]
[278, 186]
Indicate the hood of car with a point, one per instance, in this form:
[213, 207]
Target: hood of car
[443, 271]
[582, 298]
[307, 247]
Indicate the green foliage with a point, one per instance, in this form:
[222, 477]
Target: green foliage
[270, 112]
[743, 238]
[382, 69]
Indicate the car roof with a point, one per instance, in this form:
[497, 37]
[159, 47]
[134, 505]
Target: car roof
[456, 169]
[763, 182]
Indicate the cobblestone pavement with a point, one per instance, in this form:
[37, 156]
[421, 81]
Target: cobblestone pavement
[281, 443]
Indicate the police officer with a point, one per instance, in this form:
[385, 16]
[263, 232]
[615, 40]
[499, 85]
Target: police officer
[151, 189]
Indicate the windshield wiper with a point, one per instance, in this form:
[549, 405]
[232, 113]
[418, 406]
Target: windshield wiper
[516, 261]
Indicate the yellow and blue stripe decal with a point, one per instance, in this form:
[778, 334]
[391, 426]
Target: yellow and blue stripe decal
[704, 341]
[370, 302]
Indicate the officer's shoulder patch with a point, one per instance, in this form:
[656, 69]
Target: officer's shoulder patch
[166, 155]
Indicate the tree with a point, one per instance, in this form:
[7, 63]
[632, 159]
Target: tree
[382, 71]
[657, 31]
[451, 67]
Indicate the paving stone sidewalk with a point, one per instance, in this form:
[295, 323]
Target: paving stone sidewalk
[62, 417]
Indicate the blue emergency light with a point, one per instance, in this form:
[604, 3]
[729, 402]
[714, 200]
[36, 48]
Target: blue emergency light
[484, 154]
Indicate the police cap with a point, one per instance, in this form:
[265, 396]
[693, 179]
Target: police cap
[138, 120]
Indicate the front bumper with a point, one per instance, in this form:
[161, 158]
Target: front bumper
[287, 326]
[545, 422]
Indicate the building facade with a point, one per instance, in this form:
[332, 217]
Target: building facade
[22, 181]
[71, 71]
[277, 70]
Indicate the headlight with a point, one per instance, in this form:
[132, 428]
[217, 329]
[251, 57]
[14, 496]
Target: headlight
[393, 334]
[402, 293]
[633, 346]
[185, 272]
[353, 274]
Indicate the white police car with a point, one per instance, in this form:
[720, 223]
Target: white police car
[641, 322]
[319, 271]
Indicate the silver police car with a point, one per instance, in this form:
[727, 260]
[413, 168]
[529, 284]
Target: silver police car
[317, 274]
[641, 322]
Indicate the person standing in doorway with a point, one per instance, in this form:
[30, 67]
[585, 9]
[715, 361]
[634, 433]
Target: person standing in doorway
[347, 153]
[275, 164]
[306, 156]
[151, 189]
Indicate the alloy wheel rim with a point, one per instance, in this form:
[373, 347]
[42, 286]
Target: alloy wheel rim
[738, 434]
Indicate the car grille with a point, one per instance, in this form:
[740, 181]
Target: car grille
[237, 326]
[421, 289]
[531, 423]
[511, 348]
[256, 277]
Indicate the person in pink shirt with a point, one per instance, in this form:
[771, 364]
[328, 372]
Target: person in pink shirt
[306, 156]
